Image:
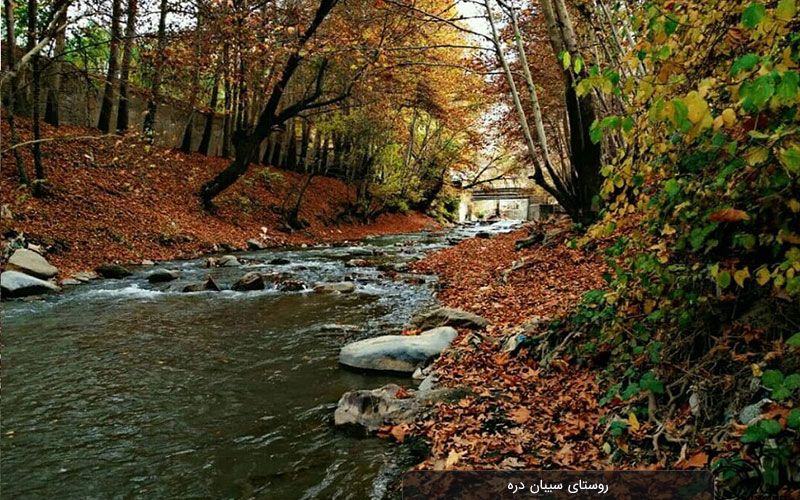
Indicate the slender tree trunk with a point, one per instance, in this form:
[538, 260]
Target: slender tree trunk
[208, 130]
[107, 106]
[51, 114]
[155, 90]
[36, 75]
[10, 59]
[123, 111]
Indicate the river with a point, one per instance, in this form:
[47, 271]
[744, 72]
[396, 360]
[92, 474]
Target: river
[126, 389]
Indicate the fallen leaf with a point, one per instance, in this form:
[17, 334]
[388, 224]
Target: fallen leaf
[520, 415]
[697, 461]
[729, 215]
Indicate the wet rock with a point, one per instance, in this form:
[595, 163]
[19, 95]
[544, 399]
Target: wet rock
[254, 244]
[148, 262]
[113, 271]
[483, 234]
[356, 263]
[17, 284]
[207, 286]
[343, 287]
[29, 262]
[291, 286]
[228, 261]
[249, 282]
[162, 276]
[397, 353]
[280, 262]
[277, 277]
[372, 409]
[71, 282]
[86, 276]
[446, 316]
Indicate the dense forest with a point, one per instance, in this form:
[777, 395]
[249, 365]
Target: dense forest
[655, 324]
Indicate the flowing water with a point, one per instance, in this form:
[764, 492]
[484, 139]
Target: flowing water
[126, 389]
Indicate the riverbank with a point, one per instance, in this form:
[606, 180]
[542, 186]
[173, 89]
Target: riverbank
[520, 416]
[120, 199]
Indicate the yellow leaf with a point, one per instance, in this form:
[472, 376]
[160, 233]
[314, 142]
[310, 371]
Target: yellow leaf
[729, 117]
[452, 459]
[756, 370]
[786, 10]
[794, 205]
[762, 276]
[741, 275]
[788, 237]
[633, 422]
[697, 106]
[756, 155]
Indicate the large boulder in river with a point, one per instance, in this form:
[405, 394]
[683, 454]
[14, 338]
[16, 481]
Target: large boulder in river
[343, 287]
[113, 271]
[208, 286]
[17, 284]
[228, 261]
[446, 316]
[249, 282]
[29, 262]
[162, 276]
[397, 353]
[372, 409]
[254, 244]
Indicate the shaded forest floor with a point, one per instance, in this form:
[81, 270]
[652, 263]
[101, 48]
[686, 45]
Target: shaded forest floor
[120, 199]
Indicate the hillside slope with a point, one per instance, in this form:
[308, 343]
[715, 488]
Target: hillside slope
[117, 198]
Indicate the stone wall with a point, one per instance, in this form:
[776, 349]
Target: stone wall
[80, 105]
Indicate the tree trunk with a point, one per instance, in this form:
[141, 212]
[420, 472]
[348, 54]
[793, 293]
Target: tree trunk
[107, 106]
[208, 130]
[123, 110]
[11, 47]
[36, 75]
[51, 113]
[155, 91]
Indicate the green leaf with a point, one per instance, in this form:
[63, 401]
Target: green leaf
[671, 187]
[670, 25]
[794, 340]
[793, 420]
[744, 63]
[790, 158]
[792, 382]
[780, 393]
[754, 434]
[753, 14]
[786, 92]
[772, 379]
[618, 427]
[771, 427]
[566, 59]
[649, 382]
[578, 65]
[755, 94]
[724, 279]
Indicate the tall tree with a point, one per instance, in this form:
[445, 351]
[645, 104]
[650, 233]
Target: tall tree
[576, 184]
[11, 49]
[107, 106]
[123, 110]
[36, 77]
[158, 72]
[52, 109]
[247, 143]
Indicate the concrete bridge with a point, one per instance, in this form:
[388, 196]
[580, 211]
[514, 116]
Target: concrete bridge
[506, 203]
